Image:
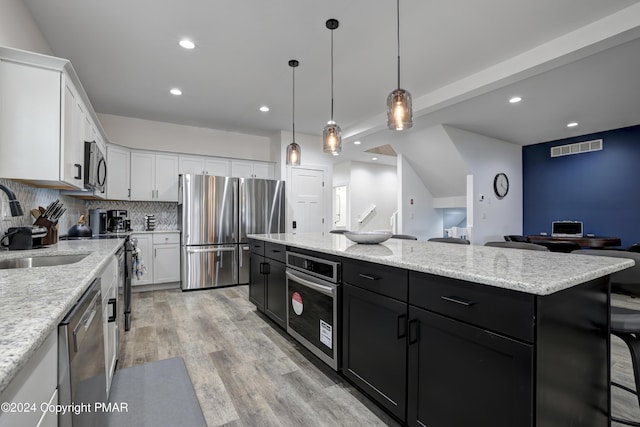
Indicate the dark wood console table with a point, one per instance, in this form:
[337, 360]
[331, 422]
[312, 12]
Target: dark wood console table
[584, 242]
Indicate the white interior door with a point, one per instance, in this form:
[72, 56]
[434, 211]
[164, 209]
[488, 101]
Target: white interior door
[306, 195]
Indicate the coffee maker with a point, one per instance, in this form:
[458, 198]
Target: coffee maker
[98, 221]
[117, 220]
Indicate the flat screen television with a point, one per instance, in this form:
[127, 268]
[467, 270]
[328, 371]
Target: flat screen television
[566, 229]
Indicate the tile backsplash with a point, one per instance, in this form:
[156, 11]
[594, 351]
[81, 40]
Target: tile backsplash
[166, 213]
[32, 197]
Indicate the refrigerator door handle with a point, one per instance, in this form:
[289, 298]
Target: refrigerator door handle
[244, 249]
[195, 251]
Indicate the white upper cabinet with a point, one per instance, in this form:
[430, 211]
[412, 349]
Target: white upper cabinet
[118, 173]
[73, 131]
[43, 120]
[205, 166]
[218, 167]
[31, 138]
[192, 165]
[166, 178]
[154, 177]
[249, 169]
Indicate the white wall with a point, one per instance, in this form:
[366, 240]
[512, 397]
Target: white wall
[19, 30]
[372, 184]
[418, 216]
[151, 135]
[342, 174]
[491, 218]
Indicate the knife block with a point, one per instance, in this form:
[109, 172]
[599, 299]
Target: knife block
[52, 230]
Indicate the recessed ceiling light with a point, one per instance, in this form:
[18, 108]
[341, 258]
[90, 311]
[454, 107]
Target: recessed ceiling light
[572, 124]
[175, 91]
[374, 158]
[515, 99]
[187, 44]
[335, 153]
[264, 108]
[357, 142]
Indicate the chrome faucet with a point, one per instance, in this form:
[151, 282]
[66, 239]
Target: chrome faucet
[14, 204]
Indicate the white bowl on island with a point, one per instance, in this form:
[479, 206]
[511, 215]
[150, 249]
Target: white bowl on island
[368, 237]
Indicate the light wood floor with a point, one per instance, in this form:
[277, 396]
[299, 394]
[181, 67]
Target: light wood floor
[245, 370]
[248, 372]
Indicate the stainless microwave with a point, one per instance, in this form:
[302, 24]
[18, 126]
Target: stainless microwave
[95, 167]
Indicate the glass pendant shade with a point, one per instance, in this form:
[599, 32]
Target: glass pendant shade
[332, 138]
[293, 149]
[399, 110]
[293, 154]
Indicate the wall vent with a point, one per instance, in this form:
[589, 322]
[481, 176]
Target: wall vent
[577, 148]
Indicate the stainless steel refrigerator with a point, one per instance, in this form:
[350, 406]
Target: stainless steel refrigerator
[215, 214]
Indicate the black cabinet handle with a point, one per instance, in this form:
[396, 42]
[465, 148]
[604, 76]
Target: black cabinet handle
[402, 326]
[78, 171]
[114, 307]
[413, 331]
[458, 300]
[276, 251]
[368, 277]
[267, 269]
[262, 268]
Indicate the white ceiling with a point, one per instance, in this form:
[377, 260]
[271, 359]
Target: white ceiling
[461, 60]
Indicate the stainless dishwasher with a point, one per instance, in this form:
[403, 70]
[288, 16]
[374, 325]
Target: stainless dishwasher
[81, 364]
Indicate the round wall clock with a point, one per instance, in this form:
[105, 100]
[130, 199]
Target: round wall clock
[501, 185]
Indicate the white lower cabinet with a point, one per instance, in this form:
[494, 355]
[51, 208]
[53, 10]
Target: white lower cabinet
[166, 257]
[109, 287]
[36, 384]
[161, 255]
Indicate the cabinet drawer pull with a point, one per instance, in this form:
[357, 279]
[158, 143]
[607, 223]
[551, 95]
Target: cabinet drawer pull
[402, 326]
[368, 277]
[78, 171]
[413, 331]
[276, 251]
[114, 313]
[458, 301]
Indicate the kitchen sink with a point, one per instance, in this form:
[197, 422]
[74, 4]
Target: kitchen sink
[41, 261]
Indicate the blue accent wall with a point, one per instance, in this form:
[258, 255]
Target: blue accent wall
[599, 188]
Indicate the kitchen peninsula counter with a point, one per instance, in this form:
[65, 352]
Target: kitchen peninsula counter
[533, 272]
[33, 301]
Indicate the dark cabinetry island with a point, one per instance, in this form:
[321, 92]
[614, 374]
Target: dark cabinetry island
[440, 335]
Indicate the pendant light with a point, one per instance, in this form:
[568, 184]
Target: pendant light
[399, 109]
[332, 134]
[293, 149]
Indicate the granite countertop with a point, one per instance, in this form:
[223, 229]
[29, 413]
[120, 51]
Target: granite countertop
[533, 272]
[34, 300]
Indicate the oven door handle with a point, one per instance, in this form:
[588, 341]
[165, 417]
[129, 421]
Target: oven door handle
[327, 290]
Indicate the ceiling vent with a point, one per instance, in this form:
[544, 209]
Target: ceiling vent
[577, 148]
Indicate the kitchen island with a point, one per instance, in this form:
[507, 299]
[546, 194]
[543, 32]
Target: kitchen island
[441, 334]
[33, 301]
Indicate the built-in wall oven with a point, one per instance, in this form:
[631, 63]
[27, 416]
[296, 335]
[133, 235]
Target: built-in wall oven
[313, 295]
